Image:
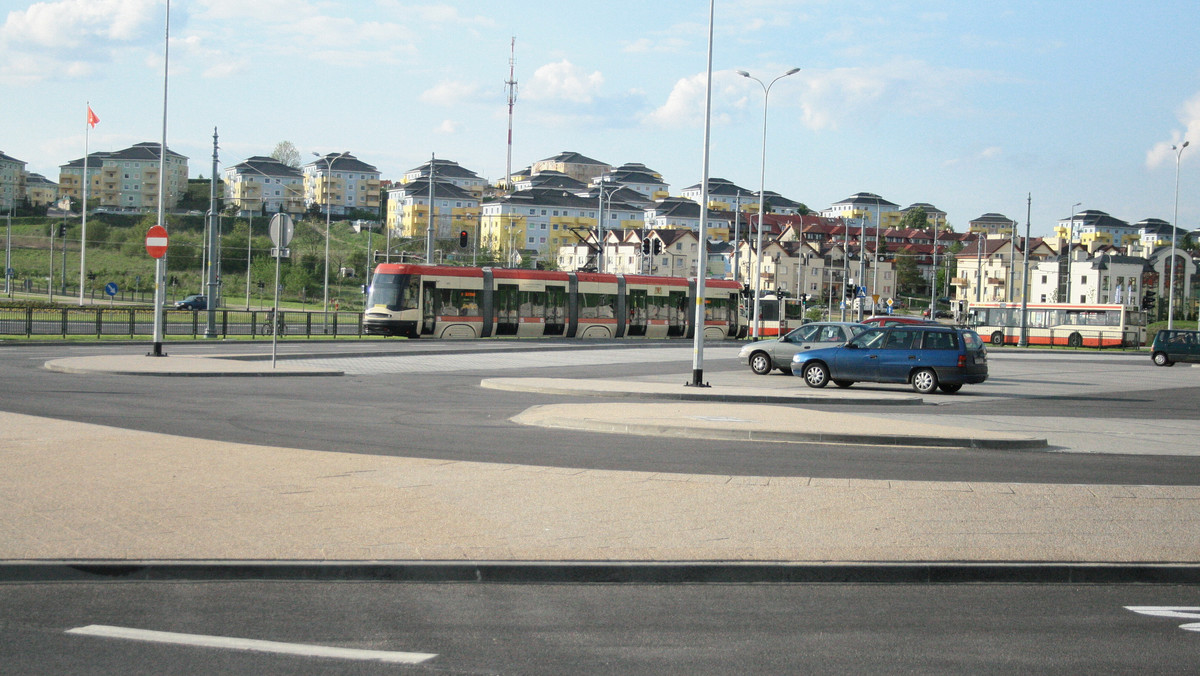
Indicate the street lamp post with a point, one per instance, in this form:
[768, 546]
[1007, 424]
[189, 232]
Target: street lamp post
[1070, 240]
[762, 182]
[1174, 226]
[328, 211]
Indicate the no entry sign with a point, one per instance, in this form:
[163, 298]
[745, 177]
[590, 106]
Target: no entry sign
[156, 241]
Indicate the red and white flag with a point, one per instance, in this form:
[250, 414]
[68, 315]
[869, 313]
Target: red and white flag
[92, 118]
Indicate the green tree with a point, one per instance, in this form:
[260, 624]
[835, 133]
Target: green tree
[915, 219]
[286, 153]
[908, 277]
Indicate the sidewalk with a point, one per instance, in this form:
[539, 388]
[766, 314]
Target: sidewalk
[79, 492]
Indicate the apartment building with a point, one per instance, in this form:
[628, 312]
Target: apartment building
[865, 205]
[12, 182]
[1095, 226]
[447, 171]
[127, 180]
[454, 208]
[264, 185]
[992, 224]
[339, 183]
[39, 190]
[577, 166]
[537, 222]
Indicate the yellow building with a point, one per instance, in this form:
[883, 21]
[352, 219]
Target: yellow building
[340, 183]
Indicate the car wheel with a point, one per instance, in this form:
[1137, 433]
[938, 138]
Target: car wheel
[997, 338]
[1160, 359]
[949, 388]
[760, 363]
[816, 375]
[1075, 340]
[925, 381]
[843, 383]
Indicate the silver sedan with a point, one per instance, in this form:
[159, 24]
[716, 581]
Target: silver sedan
[766, 355]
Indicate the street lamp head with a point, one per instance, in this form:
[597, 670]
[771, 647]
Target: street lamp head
[792, 71]
[742, 73]
[1185, 144]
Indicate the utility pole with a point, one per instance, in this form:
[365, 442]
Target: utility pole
[511, 85]
[210, 327]
[1025, 277]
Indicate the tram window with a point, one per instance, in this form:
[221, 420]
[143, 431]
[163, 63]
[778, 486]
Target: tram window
[596, 306]
[533, 303]
[556, 304]
[657, 307]
[396, 292]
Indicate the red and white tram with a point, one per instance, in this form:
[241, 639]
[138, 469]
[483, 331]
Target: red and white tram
[440, 301]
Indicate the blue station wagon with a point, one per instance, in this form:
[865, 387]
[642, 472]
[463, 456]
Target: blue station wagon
[928, 357]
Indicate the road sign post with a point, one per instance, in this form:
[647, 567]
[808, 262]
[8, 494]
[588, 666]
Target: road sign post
[156, 246]
[281, 231]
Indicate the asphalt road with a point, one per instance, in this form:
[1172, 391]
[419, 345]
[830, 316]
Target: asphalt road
[422, 399]
[604, 629]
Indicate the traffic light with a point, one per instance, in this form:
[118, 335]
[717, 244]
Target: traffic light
[1148, 300]
[646, 246]
[655, 246]
[464, 238]
[62, 230]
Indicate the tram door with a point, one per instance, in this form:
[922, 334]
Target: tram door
[677, 314]
[556, 310]
[636, 313]
[507, 304]
[428, 307]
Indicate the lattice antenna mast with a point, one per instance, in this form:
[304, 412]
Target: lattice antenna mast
[511, 85]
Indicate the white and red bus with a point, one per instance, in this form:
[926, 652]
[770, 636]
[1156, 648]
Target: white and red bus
[1066, 324]
[440, 301]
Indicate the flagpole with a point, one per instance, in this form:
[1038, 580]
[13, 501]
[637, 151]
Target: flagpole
[87, 129]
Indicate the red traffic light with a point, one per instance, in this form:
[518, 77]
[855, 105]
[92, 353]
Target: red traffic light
[464, 238]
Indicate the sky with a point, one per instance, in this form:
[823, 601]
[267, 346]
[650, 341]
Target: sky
[972, 107]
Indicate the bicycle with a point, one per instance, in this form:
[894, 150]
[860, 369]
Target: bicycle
[272, 323]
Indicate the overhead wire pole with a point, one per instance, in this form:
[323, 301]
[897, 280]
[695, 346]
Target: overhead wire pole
[701, 261]
[1025, 276]
[1174, 227]
[160, 264]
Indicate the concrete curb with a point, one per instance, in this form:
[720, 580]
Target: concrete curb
[603, 572]
[661, 391]
[866, 439]
[186, 367]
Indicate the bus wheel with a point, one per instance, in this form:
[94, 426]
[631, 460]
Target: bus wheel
[997, 338]
[1075, 340]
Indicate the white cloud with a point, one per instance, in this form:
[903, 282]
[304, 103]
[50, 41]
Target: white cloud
[72, 37]
[69, 23]
[449, 93]
[563, 80]
[1189, 116]
[447, 127]
[685, 103]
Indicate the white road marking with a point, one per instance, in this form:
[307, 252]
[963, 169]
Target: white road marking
[229, 643]
[1185, 612]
